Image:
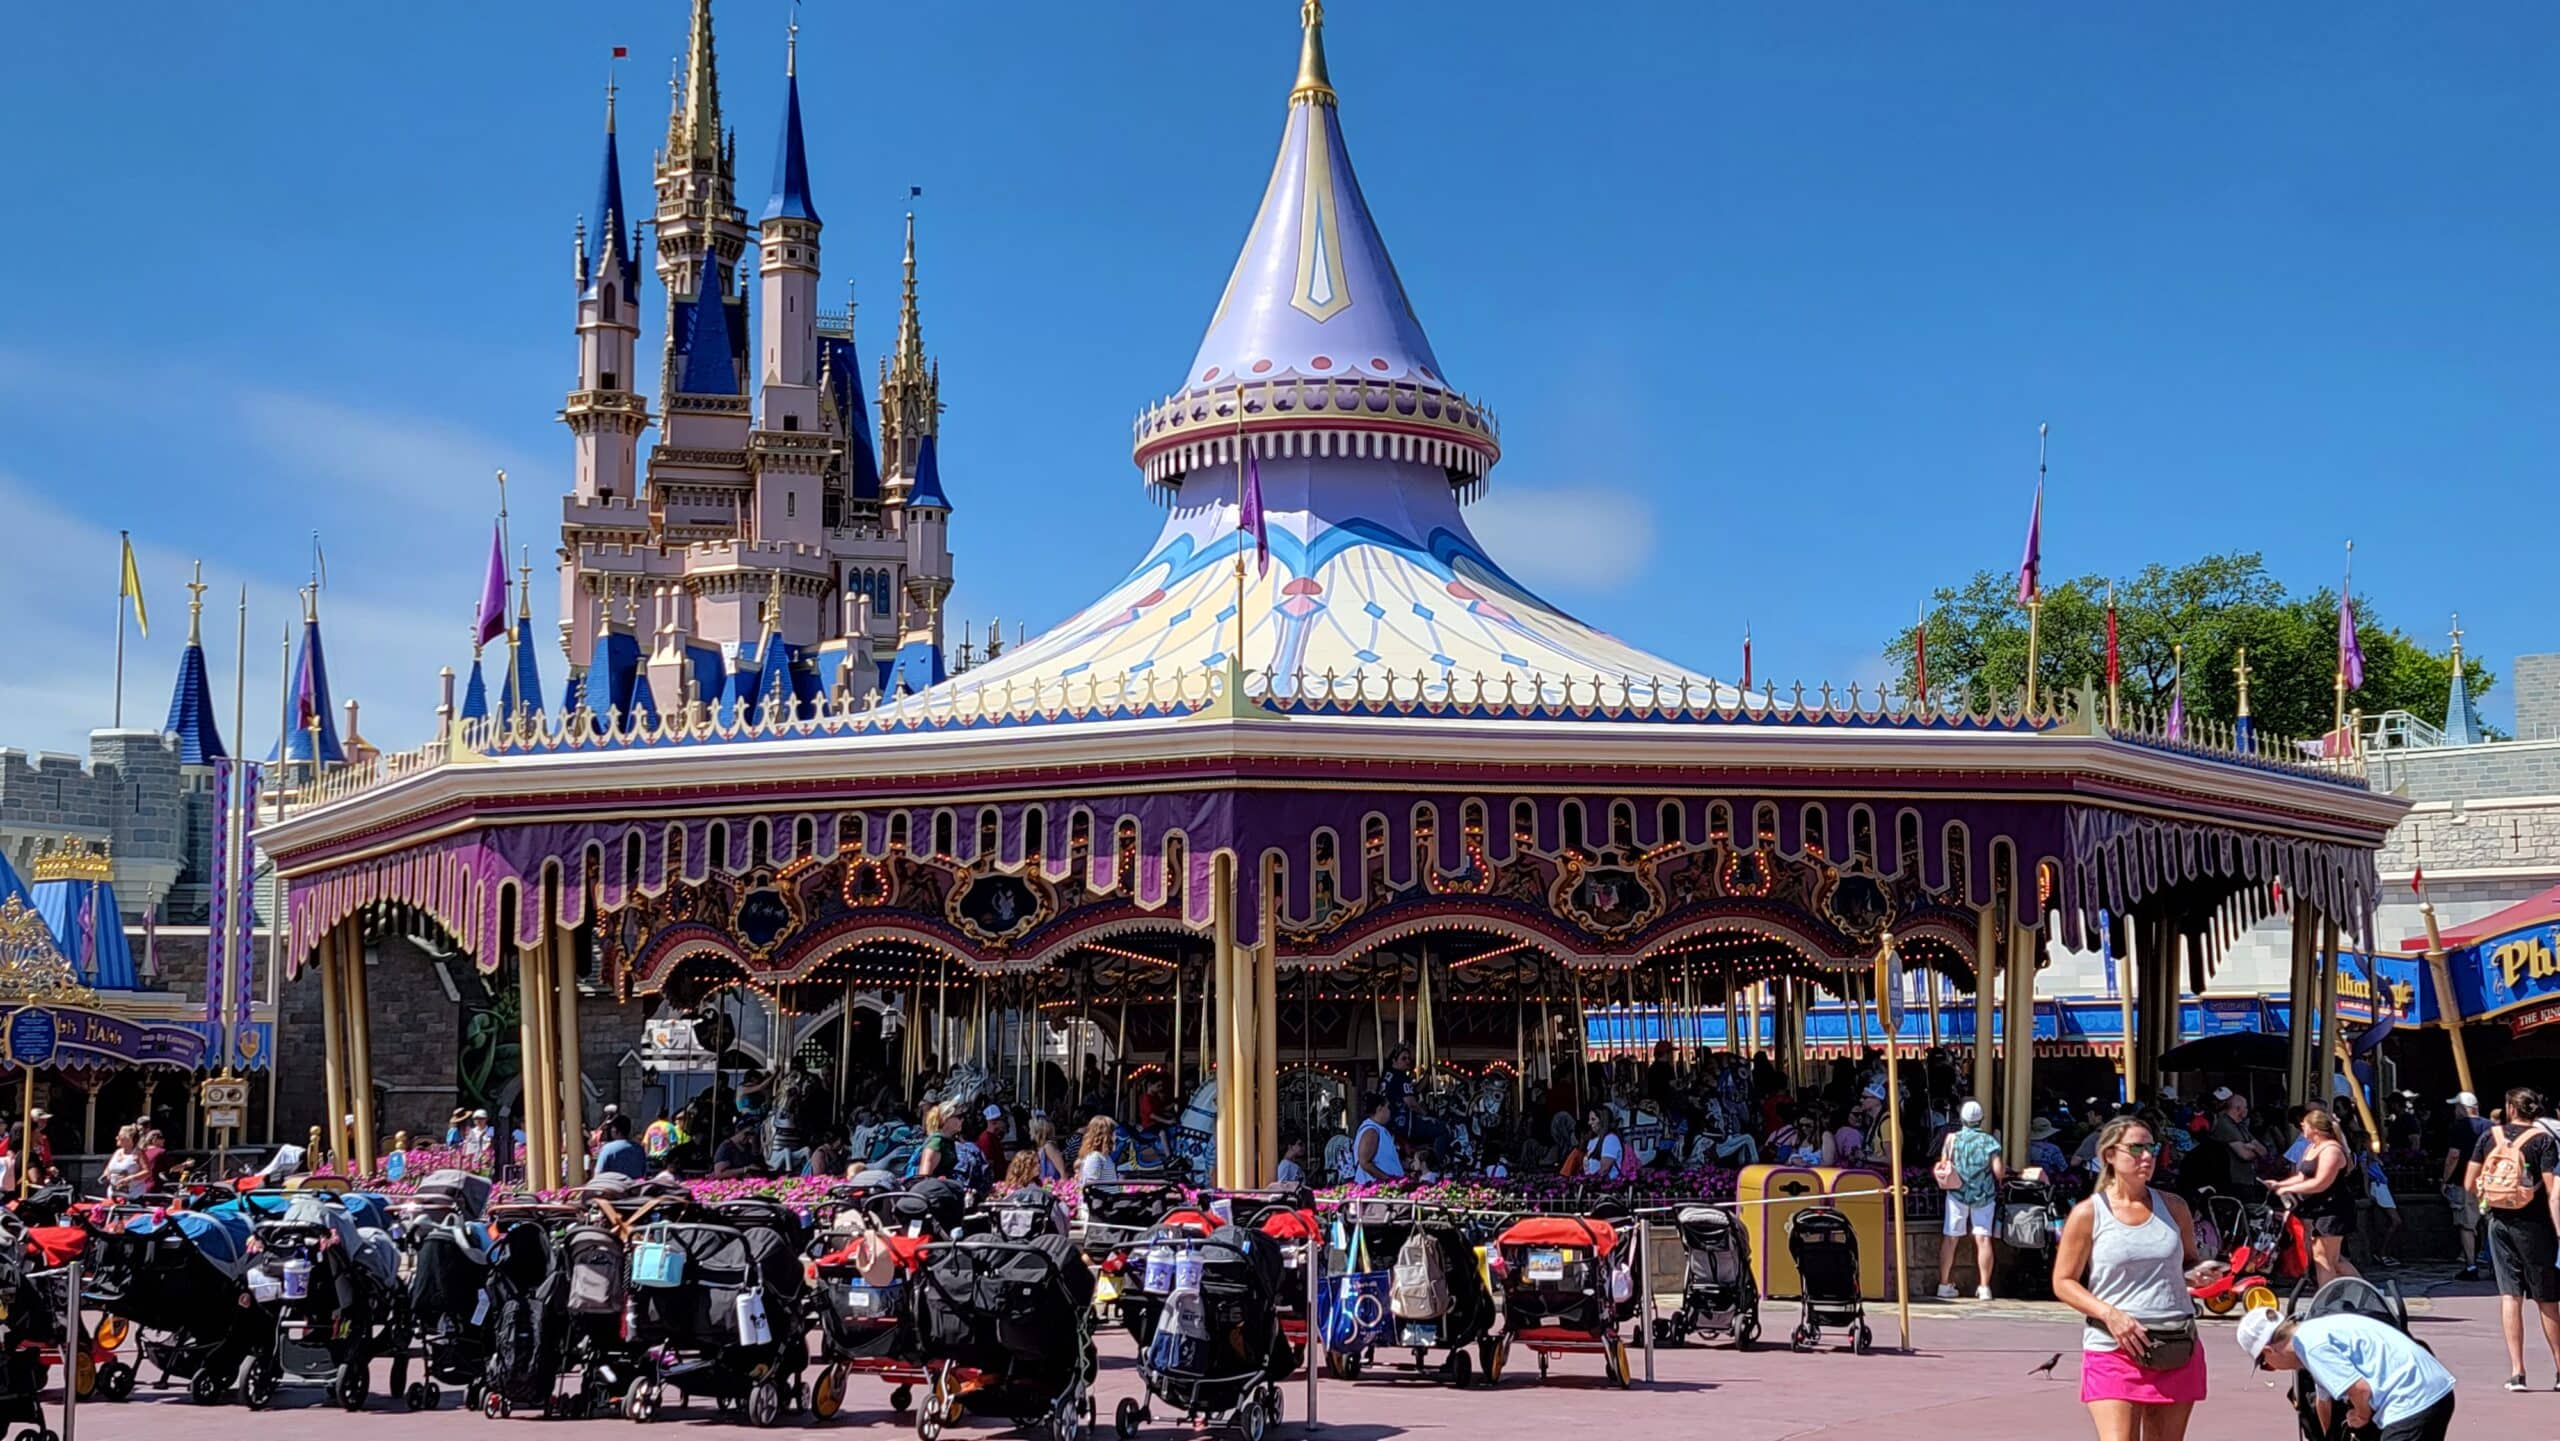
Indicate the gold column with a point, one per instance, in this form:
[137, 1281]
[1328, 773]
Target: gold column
[528, 1069]
[1986, 978]
[333, 1056]
[573, 1111]
[357, 993]
[2303, 986]
[2018, 1079]
[1266, 1011]
[1222, 948]
[534, 1096]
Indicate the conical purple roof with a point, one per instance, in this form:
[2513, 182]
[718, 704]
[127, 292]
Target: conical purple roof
[1314, 294]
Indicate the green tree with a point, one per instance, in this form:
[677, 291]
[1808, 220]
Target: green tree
[2213, 607]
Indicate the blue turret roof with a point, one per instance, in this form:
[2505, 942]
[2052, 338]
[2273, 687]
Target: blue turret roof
[791, 163]
[611, 241]
[2461, 720]
[475, 693]
[191, 710]
[917, 666]
[11, 888]
[775, 691]
[311, 707]
[928, 488]
[709, 367]
[843, 380]
[525, 678]
[89, 930]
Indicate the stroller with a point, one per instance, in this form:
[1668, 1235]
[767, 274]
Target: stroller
[1006, 1327]
[2344, 1296]
[2265, 1244]
[1825, 1250]
[591, 1271]
[1717, 1294]
[1437, 1299]
[1218, 1356]
[1028, 1214]
[865, 1321]
[175, 1281]
[718, 1303]
[327, 1296]
[1118, 1214]
[444, 1196]
[449, 1310]
[1565, 1289]
[2031, 1225]
[1286, 1215]
[527, 1320]
[30, 1325]
[1143, 1275]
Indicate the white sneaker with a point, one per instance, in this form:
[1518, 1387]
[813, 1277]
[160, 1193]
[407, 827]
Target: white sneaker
[1982, 1293]
[1946, 1293]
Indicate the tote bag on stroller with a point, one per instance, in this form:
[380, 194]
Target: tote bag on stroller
[1421, 1288]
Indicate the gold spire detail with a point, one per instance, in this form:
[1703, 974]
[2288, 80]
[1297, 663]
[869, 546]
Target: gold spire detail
[524, 584]
[910, 325]
[73, 859]
[1314, 85]
[195, 608]
[694, 129]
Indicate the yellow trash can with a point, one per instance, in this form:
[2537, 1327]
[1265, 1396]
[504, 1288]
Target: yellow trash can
[1770, 1195]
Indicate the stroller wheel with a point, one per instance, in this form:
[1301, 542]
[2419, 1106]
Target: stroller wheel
[208, 1389]
[349, 1387]
[115, 1381]
[1251, 1424]
[764, 1404]
[827, 1397]
[901, 1398]
[259, 1376]
[1125, 1419]
[1801, 1340]
[420, 1396]
[1666, 1331]
[474, 1396]
[640, 1403]
[1458, 1370]
[1863, 1340]
[1614, 1361]
[496, 1406]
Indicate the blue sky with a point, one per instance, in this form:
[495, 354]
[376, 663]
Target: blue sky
[1770, 298]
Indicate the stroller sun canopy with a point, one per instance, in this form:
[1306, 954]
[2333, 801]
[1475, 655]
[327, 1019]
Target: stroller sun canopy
[1600, 1236]
[222, 1240]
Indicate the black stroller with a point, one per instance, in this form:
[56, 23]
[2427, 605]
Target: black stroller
[1717, 1294]
[449, 1309]
[2344, 1296]
[591, 1271]
[327, 1297]
[1006, 1328]
[30, 1325]
[720, 1305]
[176, 1280]
[1028, 1214]
[1566, 1291]
[2031, 1228]
[1217, 1356]
[1825, 1251]
[1449, 1312]
[527, 1321]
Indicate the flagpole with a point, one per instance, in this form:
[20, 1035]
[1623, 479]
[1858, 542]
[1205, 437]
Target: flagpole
[2035, 596]
[1235, 672]
[513, 693]
[123, 568]
[2346, 618]
[239, 847]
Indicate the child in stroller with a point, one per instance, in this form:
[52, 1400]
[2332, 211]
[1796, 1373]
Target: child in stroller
[719, 1302]
[175, 1280]
[326, 1292]
[1718, 1296]
[1825, 1250]
[1565, 1289]
[1006, 1327]
[1217, 1357]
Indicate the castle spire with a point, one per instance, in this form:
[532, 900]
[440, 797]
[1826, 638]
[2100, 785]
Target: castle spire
[708, 367]
[1314, 85]
[191, 717]
[611, 241]
[2461, 721]
[910, 352]
[791, 161]
[694, 129]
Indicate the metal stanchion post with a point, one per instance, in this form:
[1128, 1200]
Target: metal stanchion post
[71, 1352]
[1644, 1278]
[1315, 1314]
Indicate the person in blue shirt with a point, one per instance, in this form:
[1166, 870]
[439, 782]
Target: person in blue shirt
[2384, 1378]
[618, 1156]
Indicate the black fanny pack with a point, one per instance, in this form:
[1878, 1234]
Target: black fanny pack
[2173, 1344]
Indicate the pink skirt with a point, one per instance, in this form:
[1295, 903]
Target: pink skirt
[2113, 1376]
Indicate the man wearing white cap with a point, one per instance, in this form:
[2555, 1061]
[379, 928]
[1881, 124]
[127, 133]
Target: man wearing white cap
[2465, 1136]
[2384, 1378]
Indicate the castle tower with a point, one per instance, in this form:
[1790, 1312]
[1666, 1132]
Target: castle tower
[191, 717]
[790, 450]
[910, 391]
[697, 189]
[605, 413]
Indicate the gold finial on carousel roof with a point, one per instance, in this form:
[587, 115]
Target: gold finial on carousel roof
[1313, 83]
[33, 971]
[73, 859]
[2240, 673]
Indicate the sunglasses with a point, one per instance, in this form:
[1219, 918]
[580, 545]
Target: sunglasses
[2140, 1148]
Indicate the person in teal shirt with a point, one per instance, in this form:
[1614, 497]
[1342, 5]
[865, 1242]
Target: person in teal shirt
[2383, 1377]
[1974, 1204]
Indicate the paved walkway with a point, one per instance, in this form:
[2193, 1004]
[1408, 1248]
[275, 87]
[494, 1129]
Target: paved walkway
[1968, 1377]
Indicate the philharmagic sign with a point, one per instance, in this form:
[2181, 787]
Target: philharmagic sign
[93, 1040]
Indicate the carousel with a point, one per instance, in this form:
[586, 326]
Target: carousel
[1321, 778]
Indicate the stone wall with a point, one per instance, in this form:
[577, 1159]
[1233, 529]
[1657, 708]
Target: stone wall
[2537, 693]
[2500, 768]
[132, 792]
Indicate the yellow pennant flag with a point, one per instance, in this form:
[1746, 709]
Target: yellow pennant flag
[131, 585]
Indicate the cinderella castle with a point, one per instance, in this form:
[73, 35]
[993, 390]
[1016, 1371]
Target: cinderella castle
[779, 544]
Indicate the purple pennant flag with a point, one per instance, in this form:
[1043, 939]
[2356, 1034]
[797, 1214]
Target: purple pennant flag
[218, 926]
[2178, 711]
[492, 621]
[1252, 518]
[244, 907]
[2031, 565]
[2350, 654]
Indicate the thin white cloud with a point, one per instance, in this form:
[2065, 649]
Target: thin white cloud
[1583, 537]
[407, 460]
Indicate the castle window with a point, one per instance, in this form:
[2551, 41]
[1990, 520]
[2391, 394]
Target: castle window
[790, 504]
[611, 380]
[791, 422]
